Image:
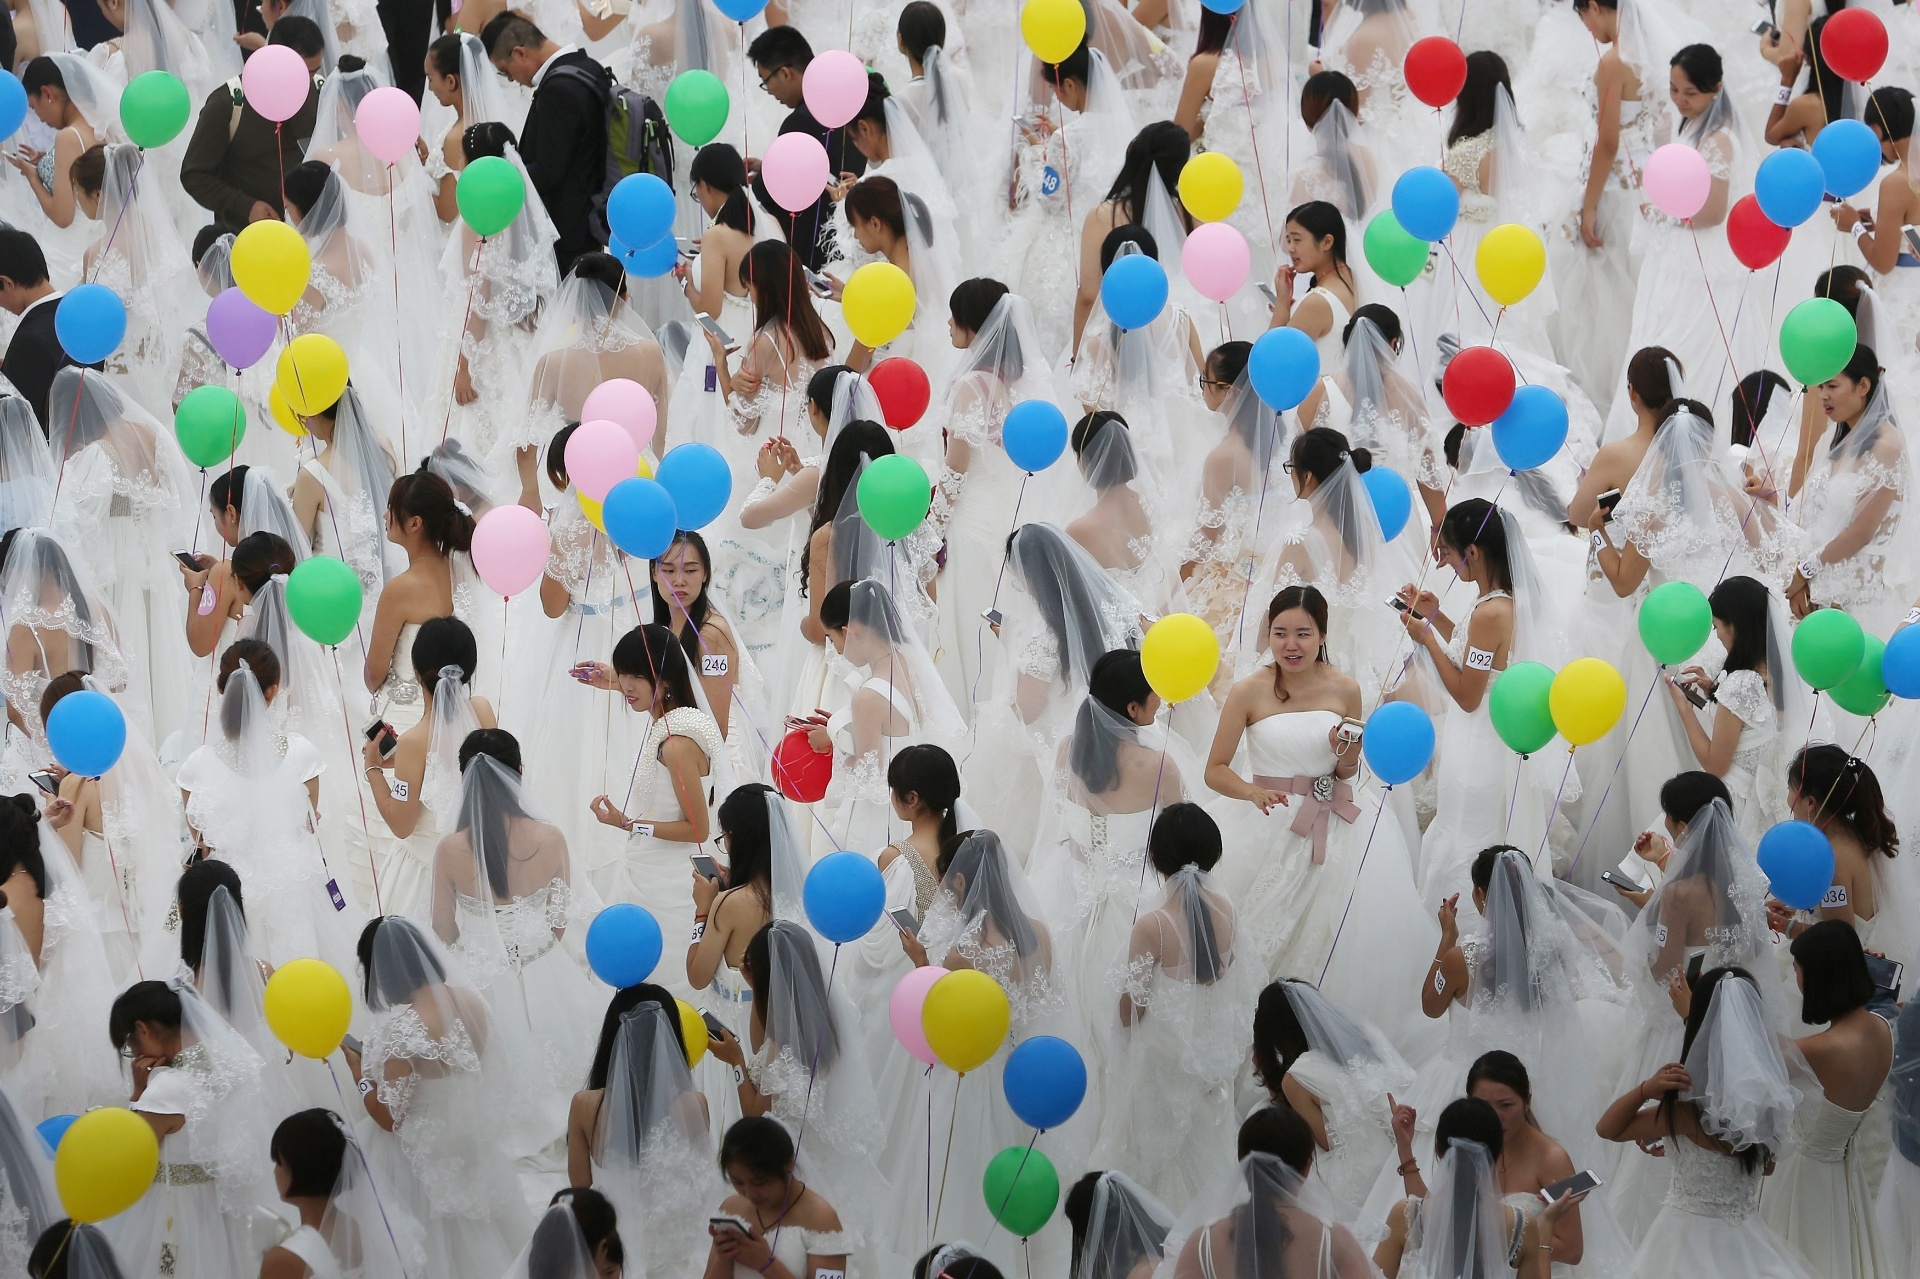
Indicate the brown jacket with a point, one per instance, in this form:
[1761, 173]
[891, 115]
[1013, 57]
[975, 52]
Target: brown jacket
[233, 162]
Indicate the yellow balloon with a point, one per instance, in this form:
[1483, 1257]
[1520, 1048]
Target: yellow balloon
[312, 374]
[1211, 186]
[1510, 262]
[878, 303]
[1053, 29]
[271, 265]
[590, 509]
[308, 1006]
[695, 1030]
[1586, 700]
[283, 414]
[1179, 655]
[966, 1018]
[645, 469]
[105, 1163]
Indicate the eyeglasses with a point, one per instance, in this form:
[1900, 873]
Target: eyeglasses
[1287, 466]
[1206, 381]
[770, 75]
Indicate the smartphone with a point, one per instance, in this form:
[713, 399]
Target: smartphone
[1349, 729]
[1573, 1185]
[705, 865]
[379, 731]
[1691, 693]
[1406, 608]
[728, 1223]
[903, 920]
[714, 1027]
[688, 248]
[1765, 27]
[1888, 975]
[819, 283]
[1266, 291]
[45, 780]
[1607, 501]
[1913, 241]
[712, 326]
[349, 1042]
[1620, 881]
[991, 616]
[187, 561]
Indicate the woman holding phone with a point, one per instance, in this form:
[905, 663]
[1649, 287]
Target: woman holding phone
[774, 1224]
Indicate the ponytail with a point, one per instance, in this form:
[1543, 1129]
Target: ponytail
[927, 771]
[424, 496]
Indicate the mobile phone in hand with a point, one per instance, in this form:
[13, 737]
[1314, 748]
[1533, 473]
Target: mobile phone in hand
[1689, 692]
[45, 780]
[187, 561]
[903, 920]
[382, 732]
[714, 1028]
[1576, 1184]
[1407, 608]
[705, 865]
[1607, 501]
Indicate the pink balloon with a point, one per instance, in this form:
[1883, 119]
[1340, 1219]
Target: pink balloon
[795, 170]
[1216, 259]
[835, 87]
[388, 122]
[1676, 180]
[599, 456]
[903, 1010]
[510, 547]
[276, 82]
[625, 402]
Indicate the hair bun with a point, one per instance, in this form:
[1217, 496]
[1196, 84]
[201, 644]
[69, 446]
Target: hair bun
[1362, 460]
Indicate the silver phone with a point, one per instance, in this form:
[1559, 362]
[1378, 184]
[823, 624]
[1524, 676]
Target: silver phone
[1580, 1181]
[712, 326]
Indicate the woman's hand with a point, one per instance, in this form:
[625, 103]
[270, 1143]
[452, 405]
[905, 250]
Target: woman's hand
[1338, 744]
[746, 382]
[26, 159]
[1598, 518]
[1590, 228]
[1846, 217]
[820, 739]
[1697, 676]
[705, 890]
[1760, 488]
[463, 392]
[1557, 1209]
[1450, 922]
[607, 814]
[420, 149]
[1679, 993]
[767, 462]
[741, 1249]
[1652, 848]
[1672, 1077]
[59, 813]
[593, 674]
[915, 951]
[1403, 1118]
[836, 287]
[1283, 293]
[726, 1047]
[1800, 595]
[1267, 800]
[370, 756]
[1780, 917]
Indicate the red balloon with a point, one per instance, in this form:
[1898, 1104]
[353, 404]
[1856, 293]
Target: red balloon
[1478, 385]
[901, 387]
[1755, 241]
[1855, 42]
[1436, 70]
[800, 772]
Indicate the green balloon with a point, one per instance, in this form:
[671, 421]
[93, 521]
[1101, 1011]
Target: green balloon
[1674, 621]
[490, 193]
[323, 596]
[894, 494]
[1395, 256]
[1022, 1189]
[154, 108]
[1817, 339]
[210, 423]
[1864, 692]
[1828, 646]
[1518, 703]
[697, 106]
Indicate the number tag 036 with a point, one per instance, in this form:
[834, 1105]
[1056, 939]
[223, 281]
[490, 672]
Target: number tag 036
[1835, 898]
[713, 665]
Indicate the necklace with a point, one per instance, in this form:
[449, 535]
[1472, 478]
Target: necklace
[785, 1208]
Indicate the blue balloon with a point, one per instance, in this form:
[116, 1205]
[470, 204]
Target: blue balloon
[623, 945]
[1392, 499]
[1532, 429]
[1034, 434]
[1283, 366]
[13, 104]
[87, 733]
[1797, 860]
[740, 10]
[640, 209]
[90, 320]
[1788, 185]
[649, 263]
[1848, 153]
[53, 1130]
[1398, 742]
[1900, 664]
[1134, 290]
[696, 477]
[1223, 6]
[639, 517]
[844, 896]
[1045, 1081]
[1426, 203]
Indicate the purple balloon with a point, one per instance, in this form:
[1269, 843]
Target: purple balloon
[240, 331]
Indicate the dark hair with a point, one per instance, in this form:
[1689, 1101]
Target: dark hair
[1862, 366]
[1484, 861]
[651, 652]
[261, 660]
[21, 259]
[1115, 466]
[820, 1042]
[148, 1001]
[1286, 600]
[836, 610]
[487, 138]
[782, 296]
[1468, 1119]
[496, 744]
[1503, 1068]
[1320, 219]
[58, 688]
[1683, 795]
[1846, 794]
[980, 847]
[962, 1265]
[1121, 236]
[1741, 602]
[257, 557]
[557, 456]
[20, 841]
[305, 183]
[1705, 987]
[1226, 362]
[820, 387]
[778, 47]
[760, 1144]
[507, 31]
[972, 301]
[599, 1226]
[1701, 65]
[1842, 284]
[858, 440]
[1477, 522]
[873, 109]
[386, 995]
[442, 642]
[1116, 682]
[89, 169]
[1278, 1038]
[230, 485]
[744, 817]
[194, 893]
[1077, 1208]
[425, 496]
[1321, 91]
[1076, 66]
[299, 33]
[1213, 33]
[1279, 1131]
[445, 53]
[1648, 378]
[928, 772]
[1891, 107]
[603, 268]
[1833, 971]
[700, 607]
[203, 239]
[1162, 146]
[624, 1001]
[310, 1144]
[1751, 399]
[1184, 834]
[719, 166]
[1479, 101]
[42, 73]
[921, 26]
[1320, 451]
[1382, 318]
[881, 197]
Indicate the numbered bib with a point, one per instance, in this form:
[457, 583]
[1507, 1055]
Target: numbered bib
[400, 790]
[1439, 983]
[1836, 896]
[1049, 180]
[1479, 659]
[1913, 615]
[699, 931]
[1660, 935]
[713, 664]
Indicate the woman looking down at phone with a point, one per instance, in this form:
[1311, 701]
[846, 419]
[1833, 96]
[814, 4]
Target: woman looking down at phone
[773, 1224]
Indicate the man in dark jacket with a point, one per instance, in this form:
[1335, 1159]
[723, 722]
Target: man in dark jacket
[564, 143]
[237, 157]
[410, 26]
[781, 55]
[35, 354]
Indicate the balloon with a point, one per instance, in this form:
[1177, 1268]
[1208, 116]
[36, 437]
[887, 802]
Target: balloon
[795, 171]
[1436, 70]
[1053, 29]
[87, 732]
[1849, 156]
[1864, 692]
[1532, 429]
[1426, 202]
[1022, 1189]
[1215, 260]
[1392, 499]
[276, 82]
[1676, 180]
[693, 1028]
[965, 1017]
[696, 106]
[1797, 859]
[902, 388]
[1817, 338]
[1034, 434]
[834, 87]
[1134, 290]
[1518, 703]
[1587, 698]
[623, 945]
[639, 516]
[270, 262]
[649, 263]
[1674, 622]
[1510, 262]
[1211, 185]
[844, 896]
[89, 320]
[1788, 185]
[1855, 44]
[323, 597]
[1045, 1081]
[109, 1156]
[312, 373]
[800, 772]
[510, 548]
[894, 495]
[1828, 646]
[491, 192]
[1755, 240]
[1222, 6]
[1395, 256]
[1398, 741]
[210, 423]
[626, 402]
[388, 123]
[640, 209]
[308, 1006]
[591, 509]
[598, 456]
[52, 1129]
[1900, 664]
[1179, 655]
[154, 108]
[1283, 366]
[878, 302]
[1478, 385]
[13, 104]
[283, 414]
[904, 1006]
[697, 478]
[741, 11]
[240, 331]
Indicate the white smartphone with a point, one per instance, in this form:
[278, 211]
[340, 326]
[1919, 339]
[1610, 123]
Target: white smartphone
[712, 326]
[705, 865]
[819, 283]
[903, 920]
[1580, 1181]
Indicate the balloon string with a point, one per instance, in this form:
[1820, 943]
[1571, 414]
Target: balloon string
[399, 358]
[1385, 798]
[372, 1182]
[979, 631]
[1513, 801]
[133, 193]
[358, 793]
[472, 282]
[1012, 1185]
[1608, 789]
[1249, 553]
[1253, 141]
[1553, 809]
[1153, 811]
[946, 1160]
[333, 518]
[806, 1107]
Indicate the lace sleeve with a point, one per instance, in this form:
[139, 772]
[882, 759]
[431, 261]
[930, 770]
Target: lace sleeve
[1718, 153]
[1745, 694]
[1041, 657]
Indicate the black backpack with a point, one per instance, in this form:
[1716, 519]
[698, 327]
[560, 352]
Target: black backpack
[638, 141]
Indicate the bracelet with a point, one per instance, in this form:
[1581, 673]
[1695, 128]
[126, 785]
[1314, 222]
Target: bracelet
[1783, 95]
[764, 1269]
[1408, 1168]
